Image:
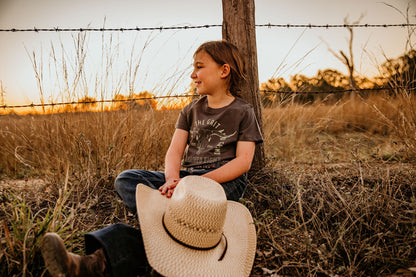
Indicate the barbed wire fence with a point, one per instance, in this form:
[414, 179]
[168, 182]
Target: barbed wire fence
[134, 99]
[192, 27]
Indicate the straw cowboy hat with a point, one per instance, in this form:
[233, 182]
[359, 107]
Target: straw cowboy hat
[196, 232]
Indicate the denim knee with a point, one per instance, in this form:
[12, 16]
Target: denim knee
[125, 186]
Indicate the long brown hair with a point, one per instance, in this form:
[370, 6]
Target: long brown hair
[224, 52]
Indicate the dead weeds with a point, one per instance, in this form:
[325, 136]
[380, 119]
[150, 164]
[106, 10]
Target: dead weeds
[334, 219]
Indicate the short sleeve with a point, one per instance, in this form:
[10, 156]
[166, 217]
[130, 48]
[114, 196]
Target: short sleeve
[249, 127]
[183, 122]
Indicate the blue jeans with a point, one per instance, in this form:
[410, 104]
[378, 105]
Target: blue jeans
[123, 248]
[127, 181]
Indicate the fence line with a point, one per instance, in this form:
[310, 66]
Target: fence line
[94, 101]
[193, 95]
[335, 91]
[189, 27]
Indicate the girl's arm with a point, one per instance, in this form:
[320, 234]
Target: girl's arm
[237, 166]
[173, 161]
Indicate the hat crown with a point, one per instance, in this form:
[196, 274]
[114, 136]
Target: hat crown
[196, 212]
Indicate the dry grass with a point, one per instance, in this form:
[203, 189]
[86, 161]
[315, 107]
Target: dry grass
[91, 144]
[337, 196]
[338, 220]
[382, 125]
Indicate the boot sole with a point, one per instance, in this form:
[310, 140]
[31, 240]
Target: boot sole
[53, 259]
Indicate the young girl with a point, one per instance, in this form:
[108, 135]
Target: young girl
[215, 135]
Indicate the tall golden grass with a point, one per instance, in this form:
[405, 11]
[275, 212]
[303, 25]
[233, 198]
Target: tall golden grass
[102, 143]
[89, 142]
[336, 198]
[295, 132]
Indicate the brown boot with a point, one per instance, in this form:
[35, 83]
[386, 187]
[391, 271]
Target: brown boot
[60, 262]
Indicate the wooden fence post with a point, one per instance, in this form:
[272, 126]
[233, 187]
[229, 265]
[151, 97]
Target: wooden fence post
[239, 28]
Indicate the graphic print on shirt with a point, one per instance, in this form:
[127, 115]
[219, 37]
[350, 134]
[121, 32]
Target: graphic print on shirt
[205, 134]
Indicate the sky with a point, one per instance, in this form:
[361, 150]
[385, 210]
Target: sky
[160, 62]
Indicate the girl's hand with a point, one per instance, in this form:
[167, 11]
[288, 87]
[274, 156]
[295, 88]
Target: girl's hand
[168, 187]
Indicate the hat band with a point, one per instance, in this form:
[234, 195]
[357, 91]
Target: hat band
[194, 247]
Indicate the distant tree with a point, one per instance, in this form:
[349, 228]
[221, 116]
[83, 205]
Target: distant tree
[401, 71]
[142, 100]
[304, 86]
[332, 79]
[327, 80]
[322, 86]
[274, 91]
[301, 83]
[146, 100]
[119, 102]
[86, 104]
[348, 59]
[366, 83]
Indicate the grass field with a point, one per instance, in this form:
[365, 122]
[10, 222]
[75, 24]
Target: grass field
[337, 197]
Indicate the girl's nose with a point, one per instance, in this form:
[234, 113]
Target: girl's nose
[193, 75]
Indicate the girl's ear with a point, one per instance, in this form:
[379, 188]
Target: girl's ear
[225, 71]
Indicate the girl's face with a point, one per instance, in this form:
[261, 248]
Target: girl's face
[209, 77]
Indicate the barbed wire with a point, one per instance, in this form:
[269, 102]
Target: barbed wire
[336, 91]
[94, 101]
[193, 95]
[88, 29]
[327, 26]
[189, 27]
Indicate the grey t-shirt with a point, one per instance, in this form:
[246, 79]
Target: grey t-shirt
[213, 133]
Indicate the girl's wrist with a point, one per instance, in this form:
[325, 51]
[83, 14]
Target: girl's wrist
[171, 178]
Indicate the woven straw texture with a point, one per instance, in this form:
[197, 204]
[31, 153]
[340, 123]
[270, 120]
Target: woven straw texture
[170, 258]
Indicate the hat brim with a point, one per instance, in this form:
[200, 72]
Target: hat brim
[170, 258]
